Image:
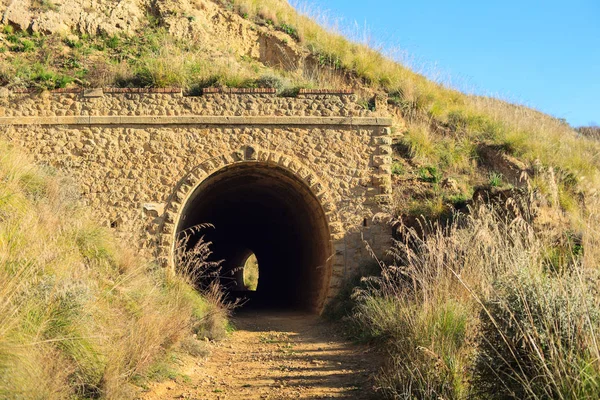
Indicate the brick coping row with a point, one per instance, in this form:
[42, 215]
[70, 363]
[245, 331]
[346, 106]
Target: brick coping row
[211, 90]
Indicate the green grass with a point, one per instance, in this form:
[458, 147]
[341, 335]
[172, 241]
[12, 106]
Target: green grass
[495, 179]
[443, 125]
[155, 59]
[81, 316]
[488, 307]
[397, 169]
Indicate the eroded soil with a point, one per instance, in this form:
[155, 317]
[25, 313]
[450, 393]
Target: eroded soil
[276, 355]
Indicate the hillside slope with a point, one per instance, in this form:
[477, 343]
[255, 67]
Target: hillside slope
[80, 316]
[448, 143]
[502, 304]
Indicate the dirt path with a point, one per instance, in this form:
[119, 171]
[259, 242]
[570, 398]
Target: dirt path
[276, 356]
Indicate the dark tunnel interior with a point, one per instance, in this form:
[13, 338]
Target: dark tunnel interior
[265, 210]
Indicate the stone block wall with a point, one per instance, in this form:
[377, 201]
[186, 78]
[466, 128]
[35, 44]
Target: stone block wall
[136, 153]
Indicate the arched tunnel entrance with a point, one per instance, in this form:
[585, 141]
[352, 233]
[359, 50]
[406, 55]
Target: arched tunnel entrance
[266, 211]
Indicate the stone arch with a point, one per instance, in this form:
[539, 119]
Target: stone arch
[253, 156]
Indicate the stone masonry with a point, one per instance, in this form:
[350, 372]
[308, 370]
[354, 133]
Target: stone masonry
[138, 154]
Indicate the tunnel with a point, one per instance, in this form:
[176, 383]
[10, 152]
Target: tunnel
[264, 210]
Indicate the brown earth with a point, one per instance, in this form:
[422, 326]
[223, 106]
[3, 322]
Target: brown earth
[222, 33]
[276, 355]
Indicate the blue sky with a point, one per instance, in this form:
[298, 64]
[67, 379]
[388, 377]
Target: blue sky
[544, 54]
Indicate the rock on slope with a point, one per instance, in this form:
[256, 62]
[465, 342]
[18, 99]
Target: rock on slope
[220, 31]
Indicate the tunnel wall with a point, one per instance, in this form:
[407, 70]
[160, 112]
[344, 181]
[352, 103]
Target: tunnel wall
[136, 156]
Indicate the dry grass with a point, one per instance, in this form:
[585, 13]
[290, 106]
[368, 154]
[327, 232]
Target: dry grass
[489, 307]
[193, 264]
[79, 315]
[335, 50]
[443, 125]
[592, 132]
[533, 136]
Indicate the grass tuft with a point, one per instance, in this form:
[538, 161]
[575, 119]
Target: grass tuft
[486, 307]
[80, 316]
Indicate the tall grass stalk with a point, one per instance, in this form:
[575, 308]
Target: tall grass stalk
[478, 309]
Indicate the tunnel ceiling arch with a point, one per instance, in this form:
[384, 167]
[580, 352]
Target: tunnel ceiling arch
[270, 211]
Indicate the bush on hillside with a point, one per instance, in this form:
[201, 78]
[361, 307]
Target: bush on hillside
[538, 338]
[478, 310]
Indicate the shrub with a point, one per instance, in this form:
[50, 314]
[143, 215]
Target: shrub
[113, 42]
[271, 81]
[342, 306]
[425, 342]
[44, 5]
[473, 310]
[538, 338]
[26, 45]
[430, 174]
[290, 30]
